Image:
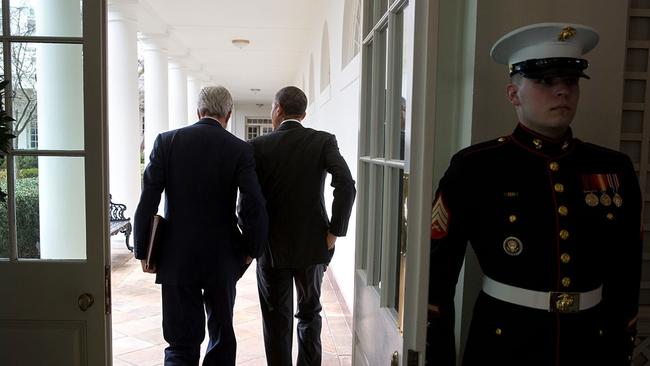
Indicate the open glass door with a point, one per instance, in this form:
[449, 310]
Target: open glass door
[383, 175]
[54, 272]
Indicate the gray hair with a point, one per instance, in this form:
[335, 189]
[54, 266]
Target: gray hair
[214, 101]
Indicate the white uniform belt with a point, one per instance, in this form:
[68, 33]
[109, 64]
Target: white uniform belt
[561, 302]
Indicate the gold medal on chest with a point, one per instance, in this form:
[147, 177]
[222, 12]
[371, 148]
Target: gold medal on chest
[512, 246]
[591, 199]
[618, 200]
[605, 200]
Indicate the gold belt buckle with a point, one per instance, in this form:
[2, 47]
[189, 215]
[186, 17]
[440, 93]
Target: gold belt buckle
[564, 302]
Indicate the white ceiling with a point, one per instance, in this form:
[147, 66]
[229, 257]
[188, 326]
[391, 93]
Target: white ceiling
[200, 33]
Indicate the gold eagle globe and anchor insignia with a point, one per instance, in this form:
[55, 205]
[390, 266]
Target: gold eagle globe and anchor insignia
[566, 34]
[566, 303]
[512, 246]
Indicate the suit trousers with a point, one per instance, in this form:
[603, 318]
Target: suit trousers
[184, 324]
[275, 287]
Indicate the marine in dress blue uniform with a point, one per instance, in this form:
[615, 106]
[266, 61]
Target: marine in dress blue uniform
[554, 221]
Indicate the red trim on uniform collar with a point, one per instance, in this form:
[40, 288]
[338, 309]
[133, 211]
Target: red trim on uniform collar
[541, 144]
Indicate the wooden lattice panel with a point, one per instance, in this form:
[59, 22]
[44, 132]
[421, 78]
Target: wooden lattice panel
[635, 142]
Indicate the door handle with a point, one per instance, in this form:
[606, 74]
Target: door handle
[394, 361]
[85, 301]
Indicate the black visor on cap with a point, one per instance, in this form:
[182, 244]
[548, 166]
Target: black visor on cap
[549, 67]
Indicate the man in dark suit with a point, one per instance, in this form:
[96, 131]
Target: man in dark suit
[554, 222]
[200, 167]
[292, 163]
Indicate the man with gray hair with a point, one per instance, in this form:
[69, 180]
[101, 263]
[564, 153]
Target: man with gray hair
[200, 168]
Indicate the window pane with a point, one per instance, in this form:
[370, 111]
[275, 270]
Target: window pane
[364, 173]
[50, 207]
[380, 87]
[398, 131]
[383, 6]
[368, 20]
[4, 230]
[376, 214]
[401, 225]
[46, 17]
[49, 114]
[366, 111]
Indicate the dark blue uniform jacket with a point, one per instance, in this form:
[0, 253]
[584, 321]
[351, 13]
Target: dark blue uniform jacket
[546, 216]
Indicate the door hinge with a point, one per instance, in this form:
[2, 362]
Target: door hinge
[107, 289]
[412, 358]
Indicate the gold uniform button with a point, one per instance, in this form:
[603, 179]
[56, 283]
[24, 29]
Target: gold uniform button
[566, 282]
[610, 216]
[565, 258]
[498, 331]
[554, 166]
[512, 218]
[563, 211]
[559, 187]
[537, 143]
[564, 235]
[600, 332]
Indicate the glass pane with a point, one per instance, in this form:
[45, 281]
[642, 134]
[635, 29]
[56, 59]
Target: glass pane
[405, 87]
[366, 113]
[46, 17]
[4, 231]
[50, 207]
[368, 20]
[379, 122]
[403, 105]
[401, 225]
[364, 174]
[383, 6]
[49, 114]
[377, 216]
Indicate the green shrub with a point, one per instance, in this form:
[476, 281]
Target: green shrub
[26, 220]
[25, 162]
[28, 173]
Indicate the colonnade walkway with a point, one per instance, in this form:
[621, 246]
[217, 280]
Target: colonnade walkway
[137, 319]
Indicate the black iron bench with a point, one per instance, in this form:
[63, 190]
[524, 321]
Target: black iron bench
[119, 223]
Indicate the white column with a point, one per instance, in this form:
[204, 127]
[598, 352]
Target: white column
[177, 95]
[125, 131]
[156, 107]
[59, 89]
[193, 89]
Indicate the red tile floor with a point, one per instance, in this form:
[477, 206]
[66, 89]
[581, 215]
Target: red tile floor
[137, 332]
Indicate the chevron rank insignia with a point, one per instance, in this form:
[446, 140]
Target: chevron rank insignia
[439, 219]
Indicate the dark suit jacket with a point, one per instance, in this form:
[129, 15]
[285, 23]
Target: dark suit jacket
[292, 163]
[200, 167]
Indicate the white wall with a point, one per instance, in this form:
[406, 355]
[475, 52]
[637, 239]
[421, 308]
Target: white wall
[335, 110]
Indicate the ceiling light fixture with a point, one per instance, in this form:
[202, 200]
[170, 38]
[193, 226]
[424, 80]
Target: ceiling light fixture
[240, 43]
